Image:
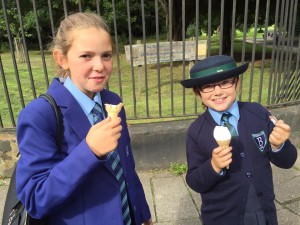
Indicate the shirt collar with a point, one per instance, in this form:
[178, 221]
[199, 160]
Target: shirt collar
[84, 101]
[234, 110]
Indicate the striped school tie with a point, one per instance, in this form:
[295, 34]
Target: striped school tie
[97, 112]
[114, 161]
[225, 118]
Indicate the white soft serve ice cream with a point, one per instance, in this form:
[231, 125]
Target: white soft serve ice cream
[221, 133]
[222, 136]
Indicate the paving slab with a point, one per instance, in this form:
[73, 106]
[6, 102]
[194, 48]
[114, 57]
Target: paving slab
[294, 207]
[286, 184]
[181, 222]
[172, 200]
[196, 197]
[145, 178]
[3, 190]
[285, 217]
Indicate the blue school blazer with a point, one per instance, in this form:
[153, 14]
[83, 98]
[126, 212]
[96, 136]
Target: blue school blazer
[74, 186]
[224, 197]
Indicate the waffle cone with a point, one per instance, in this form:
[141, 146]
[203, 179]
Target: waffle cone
[113, 115]
[113, 110]
[224, 143]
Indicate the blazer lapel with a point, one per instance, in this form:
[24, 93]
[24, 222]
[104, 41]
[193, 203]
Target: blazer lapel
[77, 120]
[73, 114]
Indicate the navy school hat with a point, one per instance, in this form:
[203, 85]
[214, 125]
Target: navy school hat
[213, 69]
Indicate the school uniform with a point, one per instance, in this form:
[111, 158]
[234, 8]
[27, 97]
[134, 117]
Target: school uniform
[225, 196]
[73, 186]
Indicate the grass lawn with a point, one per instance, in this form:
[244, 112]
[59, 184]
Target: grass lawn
[159, 92]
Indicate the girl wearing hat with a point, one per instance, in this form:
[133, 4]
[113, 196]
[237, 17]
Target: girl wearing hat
[235, 182]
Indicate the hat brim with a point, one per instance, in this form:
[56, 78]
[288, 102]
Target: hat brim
[198, 82]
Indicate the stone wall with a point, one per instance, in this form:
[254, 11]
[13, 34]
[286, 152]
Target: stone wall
[8, 151]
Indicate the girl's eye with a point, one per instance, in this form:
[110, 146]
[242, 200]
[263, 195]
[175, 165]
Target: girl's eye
[107, 56]
[85, 56]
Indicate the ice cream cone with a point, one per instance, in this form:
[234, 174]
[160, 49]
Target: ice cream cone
[224, 143]
[222, 137]
[113, 110]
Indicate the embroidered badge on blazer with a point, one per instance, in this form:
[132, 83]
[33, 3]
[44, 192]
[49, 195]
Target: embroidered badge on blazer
[261, 140]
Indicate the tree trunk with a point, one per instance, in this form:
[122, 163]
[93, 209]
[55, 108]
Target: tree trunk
[190, 9]
[177, 21]
[226, 43]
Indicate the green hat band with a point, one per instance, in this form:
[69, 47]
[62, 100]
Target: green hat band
[216, 69]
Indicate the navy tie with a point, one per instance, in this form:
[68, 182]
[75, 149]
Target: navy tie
[114, 161]
[225, 119]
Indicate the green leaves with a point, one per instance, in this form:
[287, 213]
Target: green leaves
[178, 169]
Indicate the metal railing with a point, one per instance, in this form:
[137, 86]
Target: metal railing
[153, 90]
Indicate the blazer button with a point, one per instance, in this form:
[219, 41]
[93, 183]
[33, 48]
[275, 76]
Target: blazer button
[127, 152]
[243, 155]
[249, 175]
[259, 194]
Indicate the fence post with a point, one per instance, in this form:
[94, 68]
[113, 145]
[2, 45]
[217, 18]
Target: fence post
[141, 80]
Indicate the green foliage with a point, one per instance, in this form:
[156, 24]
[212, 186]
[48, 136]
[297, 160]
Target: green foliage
[178, 169]
[136, 17]
[57, 8]
[191, 31]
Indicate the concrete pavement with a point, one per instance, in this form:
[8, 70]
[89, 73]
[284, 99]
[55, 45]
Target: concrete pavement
[172, 202]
